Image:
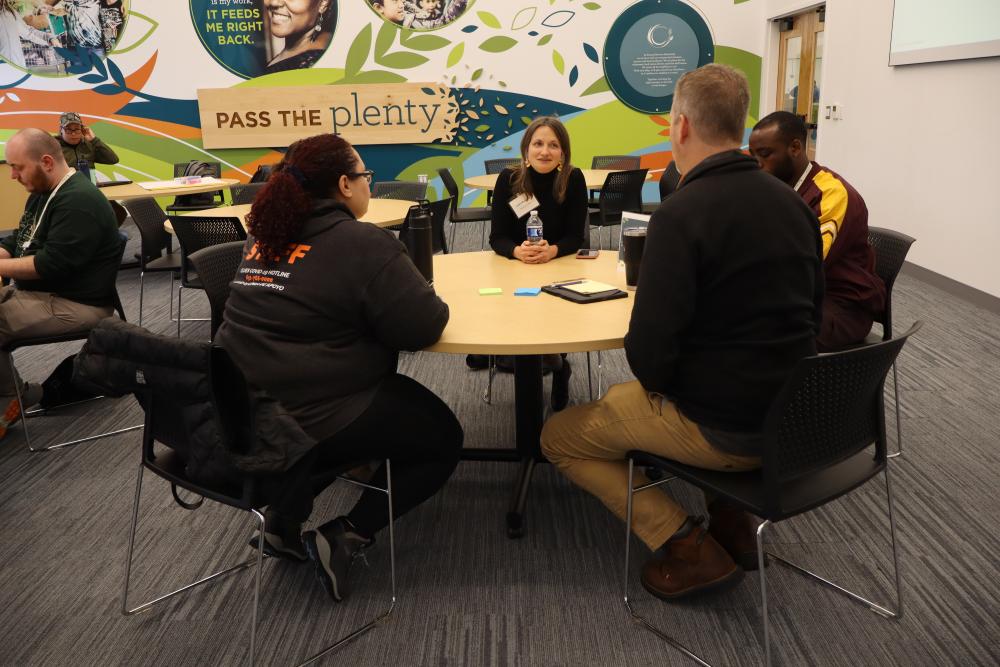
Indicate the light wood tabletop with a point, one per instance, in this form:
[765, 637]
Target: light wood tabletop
[594, 177]
[381, 212]
[543, 324]
[134, 190]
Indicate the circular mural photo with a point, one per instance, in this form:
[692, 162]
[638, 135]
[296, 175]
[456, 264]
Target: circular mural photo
[59, 37]
[255, 37]
[419, 14]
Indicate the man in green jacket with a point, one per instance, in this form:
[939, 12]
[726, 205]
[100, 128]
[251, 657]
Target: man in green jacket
[78, 142]
[62, 260]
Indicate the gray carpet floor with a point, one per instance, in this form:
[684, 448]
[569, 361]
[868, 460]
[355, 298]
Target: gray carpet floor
[470, 596]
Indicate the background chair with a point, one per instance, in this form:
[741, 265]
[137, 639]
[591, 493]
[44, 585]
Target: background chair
[199, 201]
[620, 162]
[156, 252]
[262, 174]
[818, 435]
[245, 192]
[216, 267]
[408, 190]
[439, 212]
[622, 191]
[232, 409]
[891, 248]
[14, 345]
[458, 215]
[495, 166]
[195, 232]
[670, 179]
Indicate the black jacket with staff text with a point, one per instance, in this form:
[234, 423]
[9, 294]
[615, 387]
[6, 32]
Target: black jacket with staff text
[730, 293]
[322, 327]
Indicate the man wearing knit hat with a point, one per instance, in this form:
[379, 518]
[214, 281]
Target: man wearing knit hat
[79, 143]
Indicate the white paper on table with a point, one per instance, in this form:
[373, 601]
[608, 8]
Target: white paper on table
[165, 185]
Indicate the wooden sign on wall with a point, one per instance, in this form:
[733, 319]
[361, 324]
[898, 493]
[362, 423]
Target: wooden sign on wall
[390, 113]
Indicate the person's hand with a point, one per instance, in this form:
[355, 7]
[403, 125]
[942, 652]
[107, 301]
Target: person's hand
[539, 253]
[88, 134]
[530, 253]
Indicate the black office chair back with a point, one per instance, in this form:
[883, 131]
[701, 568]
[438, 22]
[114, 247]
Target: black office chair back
[195, 232]
[828, 410]
[200, 200]
[669, 180]
[497, 165]
[890, 248]
[615, 162]
[216, 267]
[149, 218]
[244, 193]
[622, 191]
[262, 174]
[407, 190]
[451, 186]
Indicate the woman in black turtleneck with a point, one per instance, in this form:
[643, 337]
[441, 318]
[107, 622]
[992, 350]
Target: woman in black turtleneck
[547, 175]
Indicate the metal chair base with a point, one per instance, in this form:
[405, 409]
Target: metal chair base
[257, 562]
[899, 420]
[875, 607]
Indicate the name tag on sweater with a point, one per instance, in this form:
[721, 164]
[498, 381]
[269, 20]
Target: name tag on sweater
[522, 205]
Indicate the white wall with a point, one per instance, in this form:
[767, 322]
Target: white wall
[921, 142]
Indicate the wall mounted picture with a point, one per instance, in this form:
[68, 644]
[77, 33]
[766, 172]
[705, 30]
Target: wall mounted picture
[419, 14]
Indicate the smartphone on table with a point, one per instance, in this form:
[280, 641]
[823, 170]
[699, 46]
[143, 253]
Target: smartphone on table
[585, 253]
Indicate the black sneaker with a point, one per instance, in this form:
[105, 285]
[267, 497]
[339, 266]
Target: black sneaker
[560, 386]
[282, 538]
[332, 549]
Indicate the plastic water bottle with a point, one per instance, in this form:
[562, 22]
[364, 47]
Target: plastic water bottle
[83, 167]
[534, 228]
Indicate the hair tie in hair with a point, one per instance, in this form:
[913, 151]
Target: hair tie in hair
[297, 174]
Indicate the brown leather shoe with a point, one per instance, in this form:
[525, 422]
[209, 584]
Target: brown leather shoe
[736, 531]
[692, 562]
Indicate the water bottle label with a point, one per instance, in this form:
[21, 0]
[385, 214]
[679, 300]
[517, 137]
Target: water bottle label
[534, 234]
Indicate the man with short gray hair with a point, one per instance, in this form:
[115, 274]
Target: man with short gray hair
[729, 297]
[62, 259]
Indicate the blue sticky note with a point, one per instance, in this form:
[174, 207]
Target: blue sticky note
[527, 291]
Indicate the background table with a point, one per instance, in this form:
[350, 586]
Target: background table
[381, 212]
[134, 190]
[525, 326]
[594, 177]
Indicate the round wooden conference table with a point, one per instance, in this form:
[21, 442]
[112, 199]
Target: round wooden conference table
[381, 213]
[594, 177]
[527, 327]
[134, 190]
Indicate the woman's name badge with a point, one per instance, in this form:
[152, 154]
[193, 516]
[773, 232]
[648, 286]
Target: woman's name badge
[522, 205]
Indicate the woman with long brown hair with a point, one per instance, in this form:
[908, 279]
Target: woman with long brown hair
[319, 310]
[548, 181]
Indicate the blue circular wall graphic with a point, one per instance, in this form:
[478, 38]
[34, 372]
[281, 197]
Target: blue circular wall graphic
[650, 45]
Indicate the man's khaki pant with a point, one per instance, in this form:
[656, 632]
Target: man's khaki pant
[588, 444]
[26, 314]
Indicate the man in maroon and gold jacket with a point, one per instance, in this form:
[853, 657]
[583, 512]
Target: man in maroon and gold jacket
[854, 293]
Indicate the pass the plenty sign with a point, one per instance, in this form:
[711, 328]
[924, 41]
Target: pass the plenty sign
[365, 114]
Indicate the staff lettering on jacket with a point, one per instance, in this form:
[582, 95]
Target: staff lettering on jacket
[295, 251]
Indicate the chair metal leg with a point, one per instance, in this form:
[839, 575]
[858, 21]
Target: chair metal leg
[180, 288]
[590, 378]
[600, 375]
[492, 366]
[635, 616]
[452, 244]
[899, 420]
[141, 275]
[482, 241]
[256, 586]
[763, 591]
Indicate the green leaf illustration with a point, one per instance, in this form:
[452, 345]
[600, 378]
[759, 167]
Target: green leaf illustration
[357, 54]
[478, 73]
[545, 40]
[386, 36]
[599, 86]
[426, 43]
[481, 128]
[401, 60]
[489, 20]
[558, 62]
[374, 76]
[497, 44]
[523, 18]
[456, 54]
[591, 5]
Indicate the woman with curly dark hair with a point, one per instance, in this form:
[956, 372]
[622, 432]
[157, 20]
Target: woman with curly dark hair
[319, 310]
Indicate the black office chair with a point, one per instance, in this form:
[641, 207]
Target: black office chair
[891, 248]
[262, 174]
[818, 435]
[408, 190]
[458, 215]
[439, 213]
[193, 233]
[192, 395]
[622, 191]
[620, 162]
[15, 345]
[156, 254]
[216, 267]
[201, 200]
[495, 166]
[670, 179]
[245, 192]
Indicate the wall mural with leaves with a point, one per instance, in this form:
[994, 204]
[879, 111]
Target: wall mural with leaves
[505, 61]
